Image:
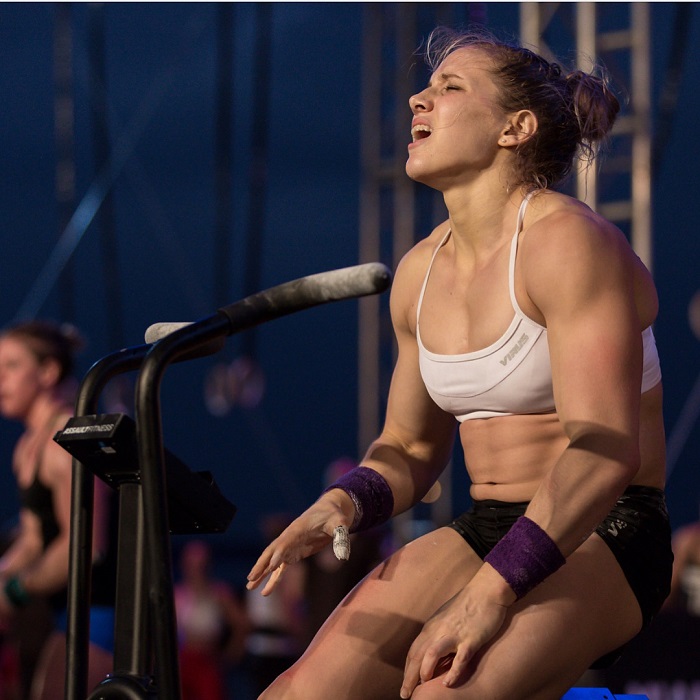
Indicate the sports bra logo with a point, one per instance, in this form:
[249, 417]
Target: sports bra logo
[515, 349]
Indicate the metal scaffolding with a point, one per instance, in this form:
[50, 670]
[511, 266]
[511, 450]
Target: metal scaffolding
[617, 38]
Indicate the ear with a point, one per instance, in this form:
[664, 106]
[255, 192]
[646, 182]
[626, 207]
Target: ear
[49, 373]
[521, 127]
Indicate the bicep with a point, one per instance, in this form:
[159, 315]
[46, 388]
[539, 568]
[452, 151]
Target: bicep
[596, 367]
[585, 293]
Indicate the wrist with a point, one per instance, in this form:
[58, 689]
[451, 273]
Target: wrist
[489, 584]
[16, 593]
[371, 496]
[525, 556]
[342, 501]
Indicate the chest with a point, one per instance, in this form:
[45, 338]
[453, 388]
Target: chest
[27, 458]
[465, 310]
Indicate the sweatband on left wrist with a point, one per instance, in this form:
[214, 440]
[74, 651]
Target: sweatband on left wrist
[371, 495]
[16, 593]
[525, 556]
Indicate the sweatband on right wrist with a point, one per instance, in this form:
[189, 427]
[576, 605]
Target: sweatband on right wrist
[525, 556]
[371, 495]
[16, 593]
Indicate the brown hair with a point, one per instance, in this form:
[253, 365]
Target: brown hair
[48, 341]
[575, 110]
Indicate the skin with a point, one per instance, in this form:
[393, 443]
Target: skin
[435, 621]
[30, 392]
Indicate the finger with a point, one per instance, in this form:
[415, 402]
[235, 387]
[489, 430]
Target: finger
[458, 667]
[261, 565]
[411, 674]
[274, 579]
[430, 661]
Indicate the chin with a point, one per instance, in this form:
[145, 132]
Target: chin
[415, 173]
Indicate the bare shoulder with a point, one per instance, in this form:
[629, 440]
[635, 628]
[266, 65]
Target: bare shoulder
[56, 464]
[416, 260]
[566, 244]
[409, 277]
[562, 225]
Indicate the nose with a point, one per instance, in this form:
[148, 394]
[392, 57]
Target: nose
[419, 102]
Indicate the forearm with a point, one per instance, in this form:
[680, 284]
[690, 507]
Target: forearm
[409, 469]
[49, 573]
[573, 499]
[18, 557]
[579, 491]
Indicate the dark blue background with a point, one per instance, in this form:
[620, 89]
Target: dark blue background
[164, 56]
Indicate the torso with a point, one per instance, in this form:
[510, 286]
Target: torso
[465, 311]
[27, 457]
[199, 617]
[34, 478]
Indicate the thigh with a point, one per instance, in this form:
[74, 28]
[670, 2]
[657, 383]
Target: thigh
[361, 649]
[583, 611]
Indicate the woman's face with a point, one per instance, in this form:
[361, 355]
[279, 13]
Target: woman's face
[22, 378]
[457, 121]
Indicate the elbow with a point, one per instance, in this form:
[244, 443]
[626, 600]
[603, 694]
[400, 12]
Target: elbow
[629, 468]
[621, 452]
[627, 464]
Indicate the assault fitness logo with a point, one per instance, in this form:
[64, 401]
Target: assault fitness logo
[82, 429]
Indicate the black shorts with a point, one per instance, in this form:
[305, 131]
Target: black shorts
[637, 531]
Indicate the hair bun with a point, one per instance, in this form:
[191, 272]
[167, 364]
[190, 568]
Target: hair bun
[595, 105]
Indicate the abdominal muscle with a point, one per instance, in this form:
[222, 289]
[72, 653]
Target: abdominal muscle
[507, 457]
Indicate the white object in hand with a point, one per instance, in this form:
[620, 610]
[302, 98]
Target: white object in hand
[341, 543]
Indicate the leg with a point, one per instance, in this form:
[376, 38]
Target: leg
[361, 650]
[551, 637]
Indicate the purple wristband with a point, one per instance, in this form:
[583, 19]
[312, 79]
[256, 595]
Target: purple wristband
[371, 494]
[525, 556]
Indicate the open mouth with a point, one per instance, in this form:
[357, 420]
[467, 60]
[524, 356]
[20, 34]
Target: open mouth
[420, 132]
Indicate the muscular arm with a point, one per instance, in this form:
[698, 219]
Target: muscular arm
[583, 283]
[417, 438]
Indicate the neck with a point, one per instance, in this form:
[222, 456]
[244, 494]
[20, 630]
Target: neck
[44, 409]
[482, 219]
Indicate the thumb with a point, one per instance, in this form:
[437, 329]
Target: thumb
[341, 543]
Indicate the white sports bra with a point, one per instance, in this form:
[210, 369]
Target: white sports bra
[512, 375]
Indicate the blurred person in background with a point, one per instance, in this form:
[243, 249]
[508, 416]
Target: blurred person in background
[36, 389]
[212, 626]
[685, 581]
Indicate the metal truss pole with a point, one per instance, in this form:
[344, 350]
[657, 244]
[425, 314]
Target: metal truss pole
[620, 189]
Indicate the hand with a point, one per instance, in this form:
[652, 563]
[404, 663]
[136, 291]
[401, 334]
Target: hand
[308, 534]
[455, 633]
